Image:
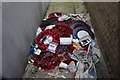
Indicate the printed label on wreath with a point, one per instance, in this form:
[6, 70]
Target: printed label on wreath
[52, 47]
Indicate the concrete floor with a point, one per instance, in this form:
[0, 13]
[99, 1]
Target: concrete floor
[65, 8]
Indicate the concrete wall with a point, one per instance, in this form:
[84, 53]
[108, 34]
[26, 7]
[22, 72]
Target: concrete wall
[19, 24]
[104, 18]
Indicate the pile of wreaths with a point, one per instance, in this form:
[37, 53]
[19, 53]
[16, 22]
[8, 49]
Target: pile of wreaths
[57, 38]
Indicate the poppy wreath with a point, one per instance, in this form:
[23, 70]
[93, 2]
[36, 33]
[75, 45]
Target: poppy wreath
[51, 60]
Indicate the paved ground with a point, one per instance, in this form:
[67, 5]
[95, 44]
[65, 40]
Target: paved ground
[66, 8]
